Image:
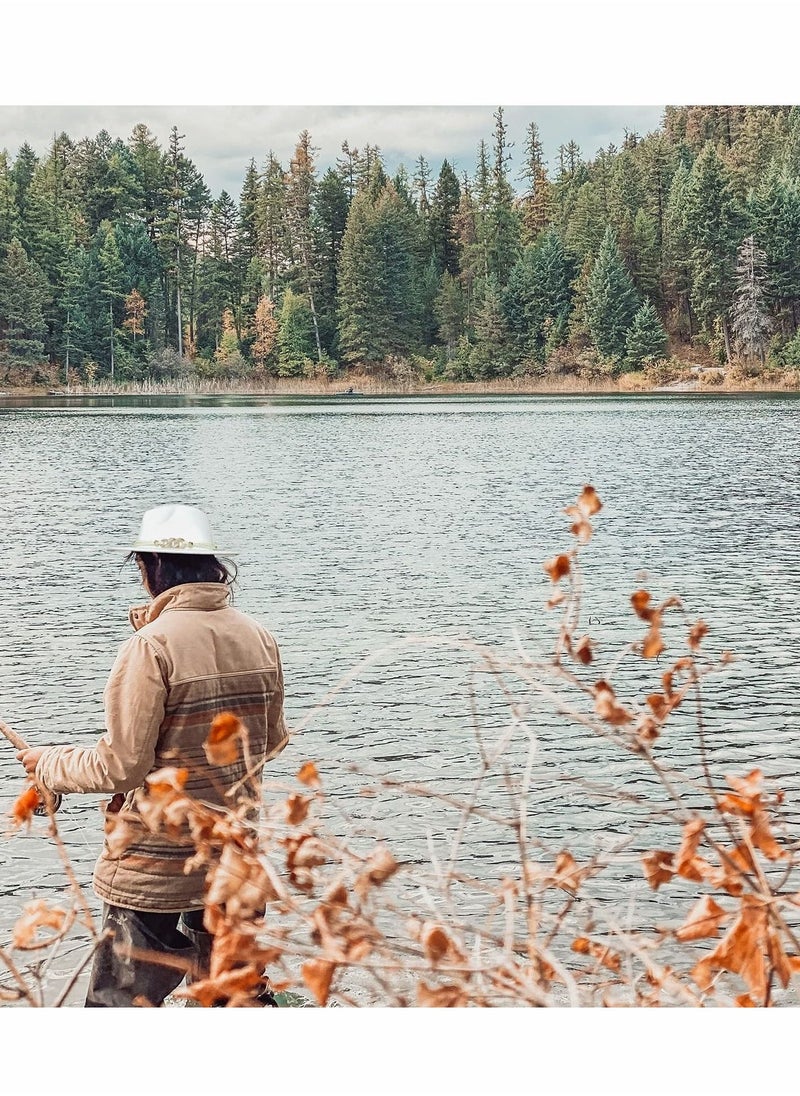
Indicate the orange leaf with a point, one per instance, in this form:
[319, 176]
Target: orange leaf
[222, 745]
[744, 1000]
[557, 567]
[297, 807]
[658, 867]
[435, 941]
[118, 835]
[25, 804]
[381, 866]
[652, 645]
[448, 996]
[308, 775]
[659, 705]
[741, 950]
[582, 530]
[166, 781]
[697, 633]
[583, 650]
[736, 804]
[37, 915]
[762, 838]
[692, 836]
[603, 954]
[704, 920]
[750, 785]
[567, 873]
[589, 501]
[318, 975]
[640, 602]
[647, 730]
[607, 707]
[336, 895]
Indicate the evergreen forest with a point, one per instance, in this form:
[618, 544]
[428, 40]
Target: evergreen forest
[118, 264]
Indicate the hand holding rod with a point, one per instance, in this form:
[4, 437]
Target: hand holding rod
[19, 743]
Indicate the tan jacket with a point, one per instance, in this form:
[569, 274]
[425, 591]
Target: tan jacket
[193, 656]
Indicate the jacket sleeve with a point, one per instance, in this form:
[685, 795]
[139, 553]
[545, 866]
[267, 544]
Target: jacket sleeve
[277, 731]
[134, 699]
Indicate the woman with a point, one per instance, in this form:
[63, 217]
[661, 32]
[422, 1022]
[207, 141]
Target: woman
[191, 657]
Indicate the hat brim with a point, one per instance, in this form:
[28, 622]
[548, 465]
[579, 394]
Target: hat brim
[162, 549]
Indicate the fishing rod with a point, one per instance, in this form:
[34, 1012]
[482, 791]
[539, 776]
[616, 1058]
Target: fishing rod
[19, 743]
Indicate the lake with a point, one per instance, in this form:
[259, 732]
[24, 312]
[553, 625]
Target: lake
[357, 523]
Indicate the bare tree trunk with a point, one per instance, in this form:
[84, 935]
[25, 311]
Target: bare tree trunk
[314, 318]
[193, 294]
[178, 299]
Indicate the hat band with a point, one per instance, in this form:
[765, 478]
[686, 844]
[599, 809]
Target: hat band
[176, 544]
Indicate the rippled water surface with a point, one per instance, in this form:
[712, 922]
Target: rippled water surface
[358, 523]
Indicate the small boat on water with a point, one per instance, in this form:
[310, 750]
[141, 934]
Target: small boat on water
[349, 392]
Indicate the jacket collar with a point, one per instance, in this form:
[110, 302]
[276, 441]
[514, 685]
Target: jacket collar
[191, 595]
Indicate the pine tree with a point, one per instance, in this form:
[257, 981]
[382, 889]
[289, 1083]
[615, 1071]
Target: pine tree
[537, 198]
[226, 264]
[443, 220]
[503, 219]
[677, 252]
[152, 175]
[111, 287]
[8, 205]
[329, 220]
[584, 231]
[715, 225]
[24, 293]
[378, 293]
[571, 176]
[271, 223]
[775, 208]
[538, 298]
[644, 254]
[659, 161]
[22, 176]
[611, 299]
[646, 340]
[295, 335]
[422, 190]
[469, 250]
[351, 169]
[449, 311]
[750, 322]
[490, 356]
[300, 186]
[482, 205]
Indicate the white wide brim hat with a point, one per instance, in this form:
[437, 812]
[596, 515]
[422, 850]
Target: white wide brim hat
[178, 529]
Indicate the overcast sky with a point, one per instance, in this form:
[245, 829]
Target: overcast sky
[414, 52]
[222, 140]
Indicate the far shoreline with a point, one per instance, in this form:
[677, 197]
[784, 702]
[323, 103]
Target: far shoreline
[369, 387]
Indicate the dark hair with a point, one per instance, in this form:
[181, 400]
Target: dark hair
[167, 569]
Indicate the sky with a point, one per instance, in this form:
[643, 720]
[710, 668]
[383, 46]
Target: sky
[221, 140]
[422, 77]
